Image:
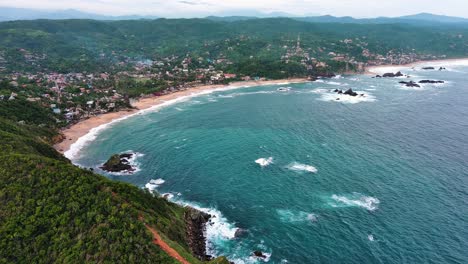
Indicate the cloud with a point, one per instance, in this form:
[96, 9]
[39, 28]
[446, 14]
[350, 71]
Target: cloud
[188, 3]
[194, 2]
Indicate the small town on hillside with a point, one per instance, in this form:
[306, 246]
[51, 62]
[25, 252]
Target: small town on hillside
[75, 96]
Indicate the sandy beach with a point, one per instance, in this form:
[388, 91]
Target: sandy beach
[76, 131]
[435, 63]
[82, 128]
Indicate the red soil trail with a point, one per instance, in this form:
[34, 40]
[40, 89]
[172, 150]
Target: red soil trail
[158, 241]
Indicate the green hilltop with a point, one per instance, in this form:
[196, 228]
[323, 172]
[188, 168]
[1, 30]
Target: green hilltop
[55, 212]
[90, 45]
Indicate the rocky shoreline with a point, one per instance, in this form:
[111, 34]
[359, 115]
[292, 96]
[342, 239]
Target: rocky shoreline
[195, 222]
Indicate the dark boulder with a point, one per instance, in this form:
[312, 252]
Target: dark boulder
[410, 84]
[350, 92]
[118, 163]
[126, 155]
[259, 254]
[240, 232]
[430, 81]
[392, 75]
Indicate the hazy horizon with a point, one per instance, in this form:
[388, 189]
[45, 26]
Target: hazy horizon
[203, 8]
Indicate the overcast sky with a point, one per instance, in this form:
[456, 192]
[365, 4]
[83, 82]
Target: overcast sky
[198, 8]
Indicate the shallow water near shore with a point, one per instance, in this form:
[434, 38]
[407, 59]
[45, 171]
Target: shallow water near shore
[379, 178]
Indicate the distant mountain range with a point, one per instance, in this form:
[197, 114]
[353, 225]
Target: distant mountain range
[9, 13]
[423, 18]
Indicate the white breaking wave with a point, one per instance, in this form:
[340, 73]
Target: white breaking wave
[74, 151]
[319, 91]
[157, 181]
[153, 184]
[264, 161]
[335, 83]
[298, 167]
[220, 233]
[347, 99]
[356, 199]
[407, 88]
[380, 70]
[448, 64]
[289, 216]
[246, 93]
[218, 229]
[370, 237]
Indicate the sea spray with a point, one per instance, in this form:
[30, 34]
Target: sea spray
[153, 184]
[221, 238]
[263, 162]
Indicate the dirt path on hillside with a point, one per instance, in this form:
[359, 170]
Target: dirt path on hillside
[158, 241]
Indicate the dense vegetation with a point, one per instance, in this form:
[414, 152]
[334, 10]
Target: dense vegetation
[87, 45]
[54, 212]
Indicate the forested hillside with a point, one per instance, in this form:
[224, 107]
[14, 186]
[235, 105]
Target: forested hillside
[88, 45]
[54, 212]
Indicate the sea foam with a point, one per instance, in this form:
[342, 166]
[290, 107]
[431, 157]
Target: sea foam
[331, 96]
[153, 184]
[289, 216]
[264, 161]
[356, 199]
[299, 167]
[74, 152]
[218, 230]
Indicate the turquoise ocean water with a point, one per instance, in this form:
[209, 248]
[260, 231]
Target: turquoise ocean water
[311, 179]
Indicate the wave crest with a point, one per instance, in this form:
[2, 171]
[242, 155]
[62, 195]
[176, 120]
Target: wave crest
[153, 184]
[264, 161]
[356, 199]
[299, 167]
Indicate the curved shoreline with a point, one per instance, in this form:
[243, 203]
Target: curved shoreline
[437, 63]
[85, 131]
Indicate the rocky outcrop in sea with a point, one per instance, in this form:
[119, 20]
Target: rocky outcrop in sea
[119, 163]
[410, 84]
[390, 75]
